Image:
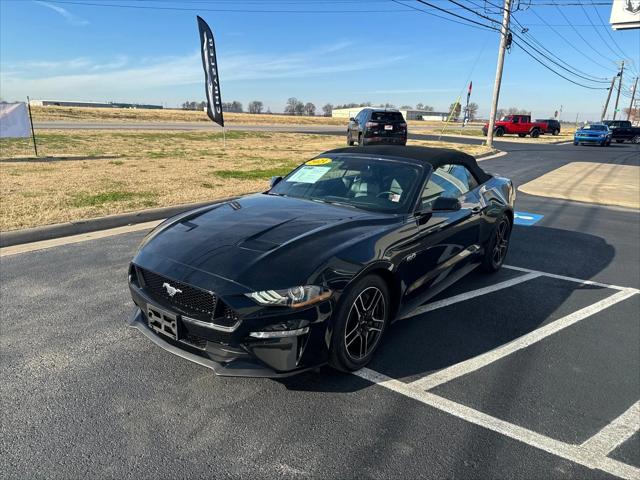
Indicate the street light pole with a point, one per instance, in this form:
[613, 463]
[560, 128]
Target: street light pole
[615, 110]
[504, 32]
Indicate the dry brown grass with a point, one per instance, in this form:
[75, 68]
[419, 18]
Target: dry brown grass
[41, 114]
[85, 114]
[87, 174]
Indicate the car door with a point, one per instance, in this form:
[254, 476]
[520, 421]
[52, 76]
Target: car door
[443, 242]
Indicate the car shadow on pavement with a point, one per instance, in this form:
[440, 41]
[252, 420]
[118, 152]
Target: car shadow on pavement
[421, 345]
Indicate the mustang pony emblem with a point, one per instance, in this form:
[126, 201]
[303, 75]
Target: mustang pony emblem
[171, 290]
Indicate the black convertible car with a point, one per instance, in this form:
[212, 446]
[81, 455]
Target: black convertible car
[315, 269]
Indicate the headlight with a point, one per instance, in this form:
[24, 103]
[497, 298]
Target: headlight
[292, 297]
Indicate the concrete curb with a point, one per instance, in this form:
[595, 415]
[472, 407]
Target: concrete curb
[58, 230]
[48, 232]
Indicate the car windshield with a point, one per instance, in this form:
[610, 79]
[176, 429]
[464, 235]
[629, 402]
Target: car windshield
[594, 127]
[371, 184]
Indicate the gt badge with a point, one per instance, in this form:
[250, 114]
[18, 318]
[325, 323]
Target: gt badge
[171, 290]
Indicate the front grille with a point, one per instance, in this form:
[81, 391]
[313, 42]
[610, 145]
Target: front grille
[191, 299]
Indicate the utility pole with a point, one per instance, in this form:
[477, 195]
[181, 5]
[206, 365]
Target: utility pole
[615, 110]
[606, 104]
[633, 96]
[504, 33]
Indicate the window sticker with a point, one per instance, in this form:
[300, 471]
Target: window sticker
[308, 174]
[319, 161]
[394, 197]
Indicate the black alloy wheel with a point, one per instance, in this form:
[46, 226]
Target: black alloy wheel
[496, 250]
[361, 321]
[499, 132]
[556, 132]
[535, 133]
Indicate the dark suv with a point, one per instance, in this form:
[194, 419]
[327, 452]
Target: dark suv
[377, 125]
[553, 126]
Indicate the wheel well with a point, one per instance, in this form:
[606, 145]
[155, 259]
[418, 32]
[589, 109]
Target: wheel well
[509, 214]
[394, 288]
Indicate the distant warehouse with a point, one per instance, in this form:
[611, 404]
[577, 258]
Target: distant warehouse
[407, 114]
[59, 103]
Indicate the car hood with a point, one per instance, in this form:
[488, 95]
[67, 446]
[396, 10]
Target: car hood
[598, 132]
[258, 241]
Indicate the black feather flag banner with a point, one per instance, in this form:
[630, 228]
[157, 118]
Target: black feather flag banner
[210, 66]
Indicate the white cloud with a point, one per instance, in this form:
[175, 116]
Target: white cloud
[69, 17]
[121, 78]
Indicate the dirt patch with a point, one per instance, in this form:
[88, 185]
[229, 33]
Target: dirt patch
[600, 183]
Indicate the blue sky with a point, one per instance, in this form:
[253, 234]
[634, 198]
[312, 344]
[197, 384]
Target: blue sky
[335, 52]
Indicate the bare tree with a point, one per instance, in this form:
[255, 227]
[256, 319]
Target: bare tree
[299, 108]
[327, 109]
[473, 110]
[456, 108]
[516, 111]
[310, 109]
[406, 107]
[290, 107]
[255, 106]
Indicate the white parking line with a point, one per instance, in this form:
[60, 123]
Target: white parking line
[616, 433]
[573, 453]
[569, 279]
[471, 294]
[475, 363]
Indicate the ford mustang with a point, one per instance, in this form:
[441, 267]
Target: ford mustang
[314, 270]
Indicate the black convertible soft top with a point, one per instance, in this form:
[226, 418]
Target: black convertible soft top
[434, 156]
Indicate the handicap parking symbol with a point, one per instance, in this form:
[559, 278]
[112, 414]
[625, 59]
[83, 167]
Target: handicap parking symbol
[526, 219]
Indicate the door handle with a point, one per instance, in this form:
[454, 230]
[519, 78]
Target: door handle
[476, 209]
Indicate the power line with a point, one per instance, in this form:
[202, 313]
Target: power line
[566, 40]
[557, 73]
[571, 70]
[456, 15]
[578, 33]
[228, 10]
[608, 30]
[436, 15]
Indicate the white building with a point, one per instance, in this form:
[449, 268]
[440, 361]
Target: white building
[407, 114]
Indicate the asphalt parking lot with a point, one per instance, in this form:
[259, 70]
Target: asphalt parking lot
[533, 372]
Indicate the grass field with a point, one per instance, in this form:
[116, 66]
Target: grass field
[83, 174]
[143, 115]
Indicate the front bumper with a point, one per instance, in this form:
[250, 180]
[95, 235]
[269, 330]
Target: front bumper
[237, 354]
[584, 139]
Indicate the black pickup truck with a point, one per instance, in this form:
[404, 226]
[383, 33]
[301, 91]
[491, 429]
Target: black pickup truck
[622, 130]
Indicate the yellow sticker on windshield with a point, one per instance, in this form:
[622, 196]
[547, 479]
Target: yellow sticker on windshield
[319, 161]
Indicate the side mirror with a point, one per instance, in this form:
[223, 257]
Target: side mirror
[351, 119]
[274, 181]
[446, 204]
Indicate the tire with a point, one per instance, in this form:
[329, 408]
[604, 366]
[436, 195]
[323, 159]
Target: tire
[575, 143]
[619, 141]
[609, 143]
[499, 132]
[636, 139]
[535, 133]
[556, 132]
[358, 326]
[498, 246]
[522, 135]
